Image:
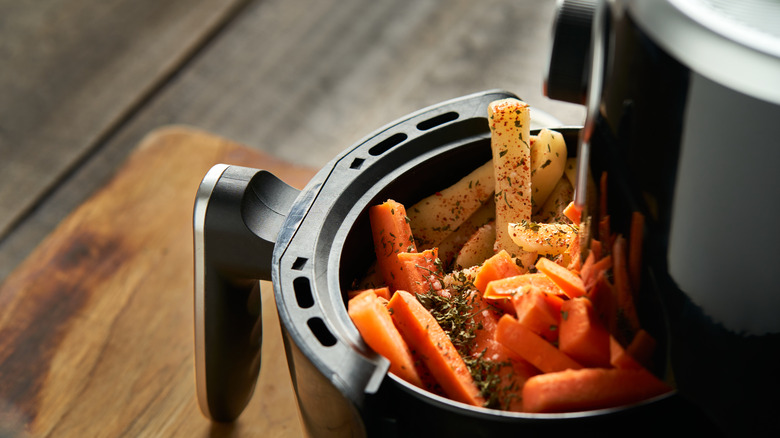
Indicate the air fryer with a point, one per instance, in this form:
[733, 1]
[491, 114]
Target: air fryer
[654, 123]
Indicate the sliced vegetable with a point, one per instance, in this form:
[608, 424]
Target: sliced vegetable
[569, 282]
[532, 347]
[542, 238]
[438, 215]
[478, 247]
[602, 295]
[422, 270]
[392, 235]
[373, 321]
[548, 161]
[423, 334]
[642, 347]
[451, 245]
[501, 373]
[539, 311]
[591, 268]
[509, 286]
[628, 318]
[500, 265]
[573, 212]
[619, 357]
[510, 123]
[582, 335]
[589, 388]
[382, 292]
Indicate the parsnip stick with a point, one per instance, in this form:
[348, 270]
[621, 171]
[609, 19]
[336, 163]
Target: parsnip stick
[548, 161]
[543, 238]
[433, 218]
[510, 142]
[451, 245]
[478, 248]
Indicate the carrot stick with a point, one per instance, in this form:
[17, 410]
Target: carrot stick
[582, 336]
[573, 212]
[511, 369]
[589, 388]
[382, 292]
[375, 325]
[501, 265]
[590, 273]
[569, 282]
[597, 248]
[602, 295]
[422, 271]
[575, 255]
[619, 357]
[532, 347]
[636, 240]
[423, 334]
[624, 296]
[510, 286]
[500, 292]
[642, 347]
[586, 270]
[392, 234]
[539, 311]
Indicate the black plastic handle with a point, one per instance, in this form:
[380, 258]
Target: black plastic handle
[238, 213]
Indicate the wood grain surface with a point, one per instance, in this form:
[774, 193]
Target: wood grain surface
[73, 70]
[96, 326]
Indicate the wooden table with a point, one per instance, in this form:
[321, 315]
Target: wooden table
[113, 111]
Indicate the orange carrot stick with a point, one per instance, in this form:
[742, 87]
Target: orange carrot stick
[573, 212]
[590, 273]
[575, 254]
[424, 335]
[589, 388]
[571, 283]
[624, 296]
[382, 292]
[582, 336]
[422, 271]
[539, 311]
[392, 234]
[642, 347]
[602, 295]
[500, 292]
[532, 347]
[597, 248]
[509, 286]
[501, 265]
[511, 369]
[375, 325]
[619, 357]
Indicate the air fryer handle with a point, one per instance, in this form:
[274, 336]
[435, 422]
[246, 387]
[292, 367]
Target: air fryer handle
[238, 213]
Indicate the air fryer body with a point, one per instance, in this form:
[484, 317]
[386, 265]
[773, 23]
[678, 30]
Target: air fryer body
[697, 152]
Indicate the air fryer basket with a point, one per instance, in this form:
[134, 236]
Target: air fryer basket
[316, 243]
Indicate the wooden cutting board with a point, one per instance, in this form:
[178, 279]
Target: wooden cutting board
[96, 326]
